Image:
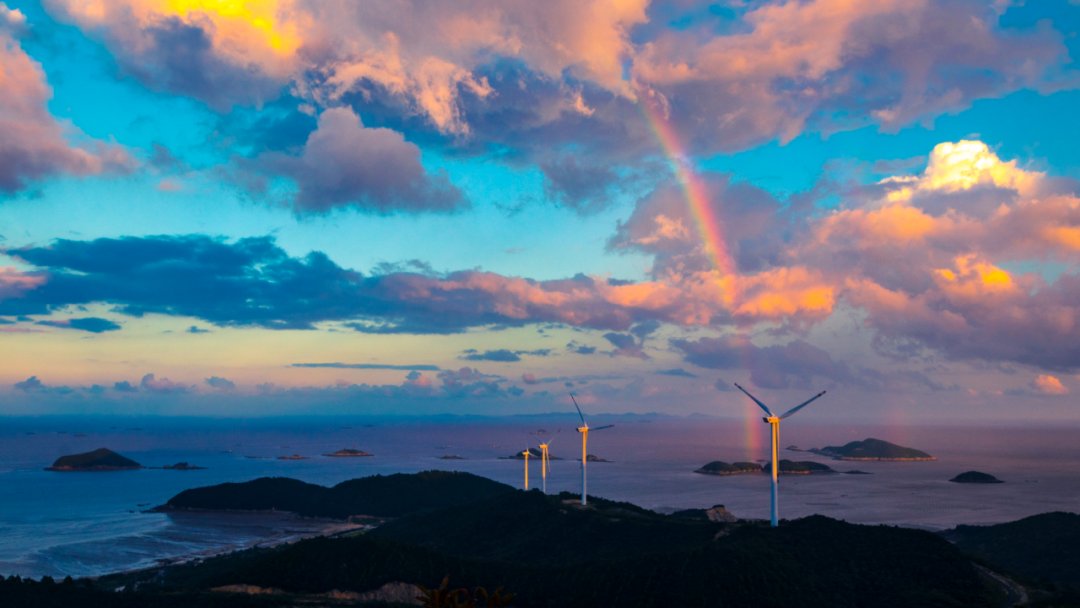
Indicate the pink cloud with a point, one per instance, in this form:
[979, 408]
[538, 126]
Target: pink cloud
[35, 144]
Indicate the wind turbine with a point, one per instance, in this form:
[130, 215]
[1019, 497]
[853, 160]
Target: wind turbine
[545, 459]
[584, 430]
[774, 423]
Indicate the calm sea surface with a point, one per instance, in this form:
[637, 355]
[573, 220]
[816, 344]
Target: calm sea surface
[81, 524]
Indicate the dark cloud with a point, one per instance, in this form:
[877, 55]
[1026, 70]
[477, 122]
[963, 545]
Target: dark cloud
[220, 383]
[580, 349]
[796, 364]
[678, 372]
[502, 354]
[153, 384]
[30, 384]
[194, 329]
[345, 164]
[125, 387]
[95, 325]
[253, 282]
[420, 367]
[178, 56]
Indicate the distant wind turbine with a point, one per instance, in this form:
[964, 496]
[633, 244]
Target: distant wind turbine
[774, 422]
[526, 454]
[584, 430]
[544, 460]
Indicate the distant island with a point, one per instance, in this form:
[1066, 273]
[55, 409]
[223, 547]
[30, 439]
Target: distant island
[451, 457]
[799, 467]
[101, 459]
[787, 467]
[292, 457]
[872, 449]
[535, 453]
[975, 477]
[349, 453]
[375, 496]
[183, 466]
[719, 467]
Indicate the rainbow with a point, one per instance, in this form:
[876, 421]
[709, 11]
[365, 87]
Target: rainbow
[709, 228]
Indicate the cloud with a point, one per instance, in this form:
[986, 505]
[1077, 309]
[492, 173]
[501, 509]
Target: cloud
[502, 355]
[220, 383]
[30, 384]
[1047, 384]
[124, 386]
[194, 329]
[254, 282]
[36, 145]
[826, 64]
[677, 372]
[345, 164]
[153, 384]
[420, 367]
[95, 325]
[796, 364]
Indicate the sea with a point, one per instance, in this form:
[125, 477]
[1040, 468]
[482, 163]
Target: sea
[88, 524]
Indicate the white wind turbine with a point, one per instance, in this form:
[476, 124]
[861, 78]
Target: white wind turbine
[584, 430]
[774, 422]
[545, 460]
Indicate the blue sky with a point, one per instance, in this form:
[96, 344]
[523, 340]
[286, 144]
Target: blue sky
[481, 200]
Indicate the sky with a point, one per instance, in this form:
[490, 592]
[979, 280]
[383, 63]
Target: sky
[323, 207]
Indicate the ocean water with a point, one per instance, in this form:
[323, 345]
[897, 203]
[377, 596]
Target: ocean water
[85, 524]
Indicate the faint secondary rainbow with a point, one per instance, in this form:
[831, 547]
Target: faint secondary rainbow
[709, 227]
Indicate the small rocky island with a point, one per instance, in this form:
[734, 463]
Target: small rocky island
[101, 459]
[787, 467]
[349, 453]
[292, 457]
[873, 449]
[183, 466]
[451, 457]
[535, 453]
[719, 467]
[799, 467]
[975, 477]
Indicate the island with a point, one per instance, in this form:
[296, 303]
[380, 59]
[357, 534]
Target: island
[872, 449]
[975, 477]
[588, 458]
[719, 467]
[101, 459]
[535, 453]
[349, 453]
[183, 466]
[799, 467]
[292, 457]
[451, 457]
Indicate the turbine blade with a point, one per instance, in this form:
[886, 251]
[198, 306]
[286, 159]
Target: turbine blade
[600, 428]
[801, 405]
[760, 404]
[580, 415]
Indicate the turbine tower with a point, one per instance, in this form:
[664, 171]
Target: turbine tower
[544, 460]
[774, 423]
[584, 430]
[526, 455]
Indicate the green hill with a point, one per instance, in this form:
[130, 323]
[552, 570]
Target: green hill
[379, 496]
[550, 551]
[1042, 549]
[799, 467]
[719, 467]
[872, 449]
